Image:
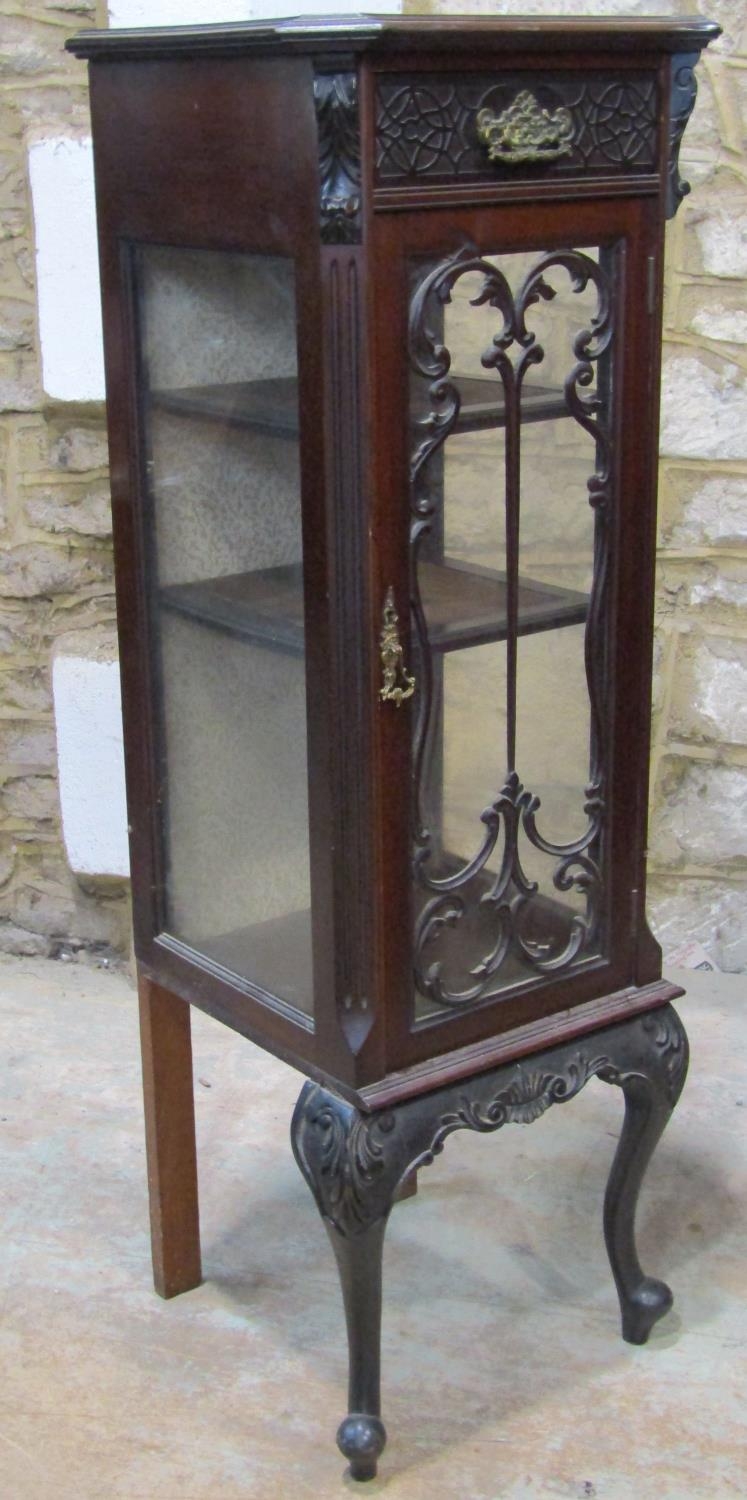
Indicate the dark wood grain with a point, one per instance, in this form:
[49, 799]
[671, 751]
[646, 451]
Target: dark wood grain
[181, 159]
[219, 138]
[427, 34]
[354, 1162]
[349, 147]
[396, 238]
[427, 125]
[170, 1139]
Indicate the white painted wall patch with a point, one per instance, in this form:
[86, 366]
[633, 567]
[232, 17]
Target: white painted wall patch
[88, 716]
[67, 269]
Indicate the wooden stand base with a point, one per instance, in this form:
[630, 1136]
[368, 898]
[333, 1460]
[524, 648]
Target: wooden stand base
[355, 1164]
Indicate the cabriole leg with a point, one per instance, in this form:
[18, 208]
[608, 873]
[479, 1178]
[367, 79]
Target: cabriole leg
[353, 1165]
[361, 1435]
[356, 1164]
[651, 1089]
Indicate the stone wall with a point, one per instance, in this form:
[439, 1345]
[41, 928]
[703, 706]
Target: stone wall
[55, 554]
[698, 838]
[55, 521]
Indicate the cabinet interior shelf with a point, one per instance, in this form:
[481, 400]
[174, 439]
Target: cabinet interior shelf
[275, 952]
[464, 605]
[271, 406]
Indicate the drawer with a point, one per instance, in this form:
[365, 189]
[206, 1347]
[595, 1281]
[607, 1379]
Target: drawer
[469, 128]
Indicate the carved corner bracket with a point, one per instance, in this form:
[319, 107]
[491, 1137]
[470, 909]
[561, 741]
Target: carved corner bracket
[682, 100]
[336, 103]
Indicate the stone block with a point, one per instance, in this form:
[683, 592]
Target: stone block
[31, 47]
[12, 179]
[32, 799]
[29, 745]
[38, 569]
[23, 944]
[730, 15]
[29, 627]
[76, 509]
[47, 900]
[16, 324]
[12, 224]
[704, 407]
[714, 312]
[63, 110]
[722, 588]
[7, 863]
[700, 816]
[79, 449]
[21, 632]
[719, 220]
[78, 8]
[712, 912]
[27, 691]
[709, 697]
[19, 381]
[48, 446]
[15, 263]
[716, 589]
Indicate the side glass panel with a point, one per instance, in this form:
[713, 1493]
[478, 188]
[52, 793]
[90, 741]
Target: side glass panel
[511, 426]
[220, 422]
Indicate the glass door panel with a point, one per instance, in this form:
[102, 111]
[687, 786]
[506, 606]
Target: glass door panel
[511, 427]
[220, 423]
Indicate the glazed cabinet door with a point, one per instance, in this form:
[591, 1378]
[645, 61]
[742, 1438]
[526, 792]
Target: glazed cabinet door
[214, 330]
[515, 634]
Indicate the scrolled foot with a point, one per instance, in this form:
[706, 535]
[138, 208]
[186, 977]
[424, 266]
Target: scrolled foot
[643, 1307]
[361, 1440]
[649, 1063]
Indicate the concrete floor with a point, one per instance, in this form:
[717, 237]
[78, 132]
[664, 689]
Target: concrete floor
[504, 1372]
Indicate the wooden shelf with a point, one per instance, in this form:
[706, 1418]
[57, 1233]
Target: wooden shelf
[271, 406]
[274, 955]
[464, 605]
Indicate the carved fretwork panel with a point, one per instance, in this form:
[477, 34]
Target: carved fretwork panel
[505, 900]
[427, 126]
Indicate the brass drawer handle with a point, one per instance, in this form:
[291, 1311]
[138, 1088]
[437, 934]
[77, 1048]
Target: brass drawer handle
[525, 131]
[398, 684]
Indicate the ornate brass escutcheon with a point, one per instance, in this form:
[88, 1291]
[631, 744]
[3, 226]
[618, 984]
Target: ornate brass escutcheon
[525, 131]
[398, 684]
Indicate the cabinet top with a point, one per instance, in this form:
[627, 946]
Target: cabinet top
[382, 34]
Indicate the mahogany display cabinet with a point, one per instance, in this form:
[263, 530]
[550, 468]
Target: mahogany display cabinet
[382, 310]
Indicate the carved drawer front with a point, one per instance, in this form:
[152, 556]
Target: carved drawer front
[438, 127]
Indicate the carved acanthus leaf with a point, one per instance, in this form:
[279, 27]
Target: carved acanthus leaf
[336, 101]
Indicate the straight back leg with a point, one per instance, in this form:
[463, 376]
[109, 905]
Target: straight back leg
[166, 1045]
